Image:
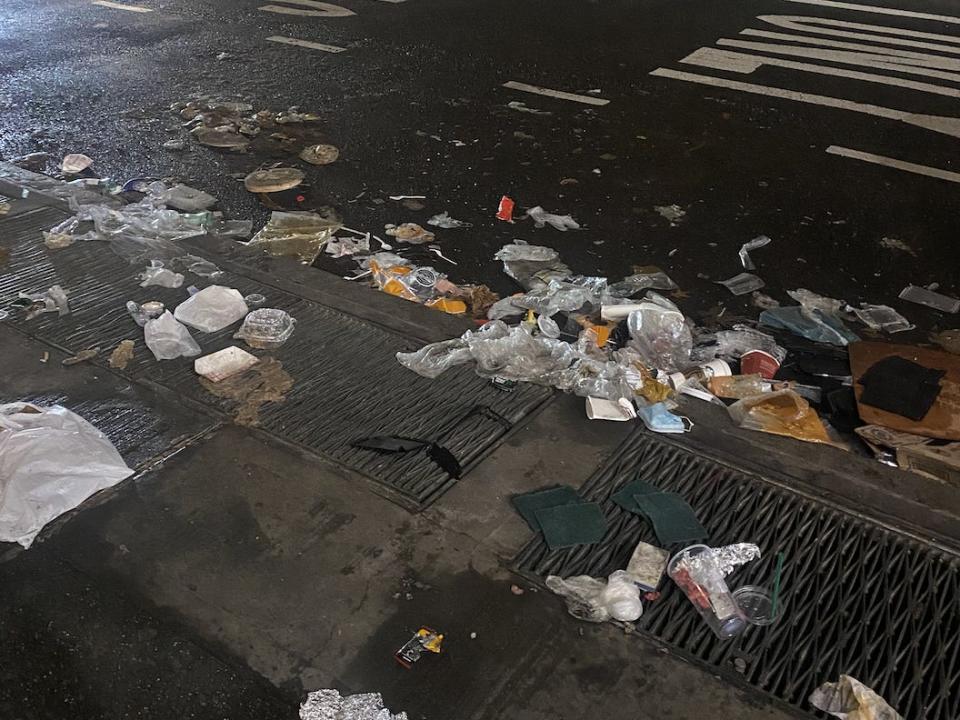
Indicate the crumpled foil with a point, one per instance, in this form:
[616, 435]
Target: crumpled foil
[330, 705]
[727, 558]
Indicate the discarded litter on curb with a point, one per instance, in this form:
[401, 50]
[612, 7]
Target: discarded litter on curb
[224, 363]
[850, 699]
[212, 309]
[424, 640]
[443, 220]
[51, 460]
[168, 339]
[935, 300]
[746, 248]
[266, 328]
[330, 705]
[295, 234]
[410, 233]
[505, 209]
[592, 600]
[320, 154]
[542, 218]
[122, 354]
[82, 356]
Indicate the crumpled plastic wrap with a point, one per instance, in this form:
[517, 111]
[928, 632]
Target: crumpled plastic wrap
[138, 231]
[168, 339]
[850, 699]
[597, 601]
[51, 460]
[733, 344]
[295, 234]
[651, 278]
[522, 262]
[512, 353]
[331, 705]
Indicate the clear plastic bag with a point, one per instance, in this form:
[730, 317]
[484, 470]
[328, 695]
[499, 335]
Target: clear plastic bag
[652, 278]
[295, 234]
[156, 274]
[659, 332]
[779, 413]
[524, 262]
[881, 317]
[597, 601]
[168, 339]
[817, 326]
[733, 344]
[213, 308]
[51, 460]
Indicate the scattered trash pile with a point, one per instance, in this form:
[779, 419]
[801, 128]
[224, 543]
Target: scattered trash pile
[631, 352]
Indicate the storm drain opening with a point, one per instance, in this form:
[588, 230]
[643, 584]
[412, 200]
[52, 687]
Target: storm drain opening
[347, 383]
[858, 598]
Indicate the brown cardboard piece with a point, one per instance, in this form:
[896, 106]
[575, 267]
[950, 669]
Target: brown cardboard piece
[943, 419]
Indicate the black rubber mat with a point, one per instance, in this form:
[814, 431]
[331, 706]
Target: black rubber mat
[858, 598]
[347, 382]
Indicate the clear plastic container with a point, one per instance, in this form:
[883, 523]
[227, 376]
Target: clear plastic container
[756, 604]
[266, 328]
[696, 571]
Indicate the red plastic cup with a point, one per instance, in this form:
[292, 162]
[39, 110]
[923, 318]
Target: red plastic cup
[505, 211]
[758, 361]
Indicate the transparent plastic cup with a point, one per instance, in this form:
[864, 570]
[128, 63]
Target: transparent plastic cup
[695, 570]
[756, 604]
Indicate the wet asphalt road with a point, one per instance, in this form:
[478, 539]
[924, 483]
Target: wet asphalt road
[416, 105]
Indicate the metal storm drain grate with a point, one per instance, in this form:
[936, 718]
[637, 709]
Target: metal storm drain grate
[347, 382]
[858, 599]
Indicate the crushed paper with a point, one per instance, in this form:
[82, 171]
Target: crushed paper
[850, 699]
[331, 705]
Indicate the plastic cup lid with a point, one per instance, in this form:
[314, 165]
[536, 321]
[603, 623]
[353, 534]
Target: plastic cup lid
[320, 154]
[273, 180]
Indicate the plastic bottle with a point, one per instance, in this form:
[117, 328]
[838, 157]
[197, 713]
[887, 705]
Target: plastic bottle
[701, 374]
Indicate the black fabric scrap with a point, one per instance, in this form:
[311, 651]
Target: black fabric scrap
[901, 386]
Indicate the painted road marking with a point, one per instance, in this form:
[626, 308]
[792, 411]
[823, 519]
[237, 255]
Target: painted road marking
[937, 123]
[880, 10]
[919, 64]
[121, 6]
[745, 63]
[316, 9]
[560, 94]
[894, 163]
[305, 43]
[824, 42]
[798, 23]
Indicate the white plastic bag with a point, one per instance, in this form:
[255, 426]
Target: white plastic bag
[212, 309]
[168, 339]
[51, 460]
[598, 601]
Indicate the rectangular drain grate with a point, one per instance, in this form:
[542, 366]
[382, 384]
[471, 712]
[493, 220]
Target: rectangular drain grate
[858, 599]
[347, 382]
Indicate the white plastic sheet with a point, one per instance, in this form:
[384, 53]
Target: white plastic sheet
[51, 460]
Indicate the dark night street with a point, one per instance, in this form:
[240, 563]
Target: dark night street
[246, 560]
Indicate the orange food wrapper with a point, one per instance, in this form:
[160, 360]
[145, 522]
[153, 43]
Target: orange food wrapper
[780, 413]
